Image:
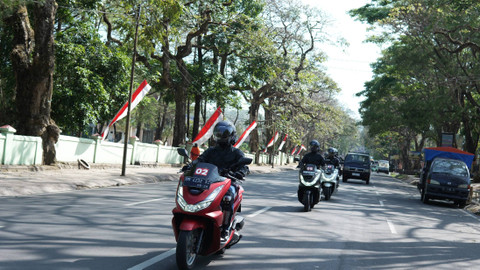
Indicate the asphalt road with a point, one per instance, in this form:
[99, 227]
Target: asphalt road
[383, 225]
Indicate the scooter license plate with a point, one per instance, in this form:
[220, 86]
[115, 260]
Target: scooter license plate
[196, 182]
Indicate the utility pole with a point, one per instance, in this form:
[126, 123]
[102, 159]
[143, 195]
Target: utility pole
[127, 128]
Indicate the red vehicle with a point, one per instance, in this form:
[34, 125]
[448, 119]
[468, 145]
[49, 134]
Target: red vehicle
[201, 211]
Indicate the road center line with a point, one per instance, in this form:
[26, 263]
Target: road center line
[137, 203]
[259, 212]
[153, 260]
[392, 228]
[381, 203]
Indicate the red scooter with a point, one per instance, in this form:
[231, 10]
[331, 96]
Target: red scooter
[201, 210]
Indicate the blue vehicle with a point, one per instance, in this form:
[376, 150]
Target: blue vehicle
[446, 175]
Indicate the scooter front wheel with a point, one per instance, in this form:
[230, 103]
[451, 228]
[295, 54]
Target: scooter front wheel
[307, 202]
[186, 252]
[328, 193]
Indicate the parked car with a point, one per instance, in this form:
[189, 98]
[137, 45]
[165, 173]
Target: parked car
[446, 175]
[356, 166]
[383, 166]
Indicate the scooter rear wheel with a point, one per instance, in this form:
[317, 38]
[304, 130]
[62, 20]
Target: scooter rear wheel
[186, 254]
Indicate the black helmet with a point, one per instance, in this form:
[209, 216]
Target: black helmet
[225, 133]
[331, 151]
[314, 146]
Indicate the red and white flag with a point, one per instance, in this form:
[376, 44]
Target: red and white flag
[137, 96]
[207, 130]
[272, 141]
[282, 143]
[293, 150]
[245, 134]
[302, 147]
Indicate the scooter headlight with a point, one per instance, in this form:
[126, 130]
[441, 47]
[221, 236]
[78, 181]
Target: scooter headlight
[312, 181]
[200, 205]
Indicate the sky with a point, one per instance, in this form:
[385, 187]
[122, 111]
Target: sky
[349, 67]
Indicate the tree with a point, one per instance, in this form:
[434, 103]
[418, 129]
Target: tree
[33, 62]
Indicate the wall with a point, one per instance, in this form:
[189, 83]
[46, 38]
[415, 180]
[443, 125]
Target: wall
[27, 150]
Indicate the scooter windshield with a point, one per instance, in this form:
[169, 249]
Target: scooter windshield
[205, 171]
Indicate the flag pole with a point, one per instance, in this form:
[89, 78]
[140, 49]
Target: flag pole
[127, 128]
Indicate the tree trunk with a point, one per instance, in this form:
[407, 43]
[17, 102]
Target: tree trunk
[471, 143]
[139, 132]
[33, 63]
[253, 112]
[179, 130]
[161, 123]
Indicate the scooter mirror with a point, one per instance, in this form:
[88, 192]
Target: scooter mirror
[245, 161]
[182, 152]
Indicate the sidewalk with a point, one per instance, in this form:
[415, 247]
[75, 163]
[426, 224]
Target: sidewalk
[29, 180]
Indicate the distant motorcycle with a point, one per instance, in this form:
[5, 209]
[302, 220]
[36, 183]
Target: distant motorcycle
[329, 181]
[309, 188]
[201, 211]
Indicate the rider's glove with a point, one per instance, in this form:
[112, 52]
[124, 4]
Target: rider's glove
[186, 168]
[238, 175]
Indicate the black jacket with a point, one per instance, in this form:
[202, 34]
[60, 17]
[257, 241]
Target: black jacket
[223, 158]
[312, 158]
[334, 161]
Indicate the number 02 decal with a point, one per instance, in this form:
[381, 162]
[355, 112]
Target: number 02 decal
[201, 171]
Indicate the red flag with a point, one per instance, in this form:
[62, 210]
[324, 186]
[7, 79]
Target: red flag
[137, 96]
[282, 143]
[302, 147]
[207, 130]
[245, 134]
[293, 150]
[272, 141]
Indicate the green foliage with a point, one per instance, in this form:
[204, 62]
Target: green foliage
[91, 80]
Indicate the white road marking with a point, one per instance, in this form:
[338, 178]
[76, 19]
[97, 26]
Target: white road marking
[466, 212]
[153, 260]
[392, 228]
[169, 253]
[137, 203]
[381, 203]
[378, 194]
[259, 212]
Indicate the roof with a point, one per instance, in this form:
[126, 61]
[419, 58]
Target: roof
[358, 153]
[448, 152]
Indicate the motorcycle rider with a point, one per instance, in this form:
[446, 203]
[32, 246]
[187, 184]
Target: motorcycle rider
[333, 159]
[224, 155]
[314, 156]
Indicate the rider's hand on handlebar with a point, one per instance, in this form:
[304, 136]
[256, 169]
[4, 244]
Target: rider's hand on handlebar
[238, 175]
[186, 167]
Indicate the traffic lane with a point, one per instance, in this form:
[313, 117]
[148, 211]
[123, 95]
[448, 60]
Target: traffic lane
[92, 229]
[434, 236]
[351, 231]
[285, 237]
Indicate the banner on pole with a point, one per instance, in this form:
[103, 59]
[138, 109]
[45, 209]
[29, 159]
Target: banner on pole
[245, 134]
[282, 143]
[137, 96]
